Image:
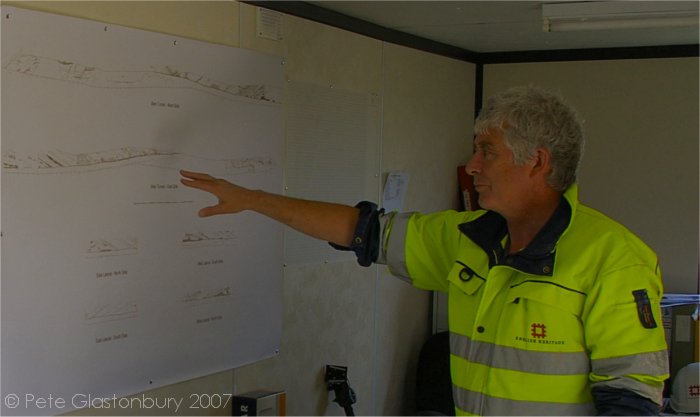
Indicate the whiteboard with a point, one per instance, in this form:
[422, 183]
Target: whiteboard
[111, 284]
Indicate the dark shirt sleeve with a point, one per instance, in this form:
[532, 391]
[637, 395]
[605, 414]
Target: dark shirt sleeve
[622, 402]
[365, 241]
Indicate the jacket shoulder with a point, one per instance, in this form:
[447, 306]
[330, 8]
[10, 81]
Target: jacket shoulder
[596, 236]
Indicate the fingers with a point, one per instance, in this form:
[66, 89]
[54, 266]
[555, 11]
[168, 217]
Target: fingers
[190, 177]
[206, 211]
[196, 179]
[195, 175]
[210, 211]
[220, 188]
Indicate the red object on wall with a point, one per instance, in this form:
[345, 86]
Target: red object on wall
[470, 198]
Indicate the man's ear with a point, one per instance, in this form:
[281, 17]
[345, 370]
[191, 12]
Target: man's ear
[541, 162]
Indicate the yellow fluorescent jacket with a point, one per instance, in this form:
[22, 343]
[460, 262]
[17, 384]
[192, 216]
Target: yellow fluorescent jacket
[532, 333]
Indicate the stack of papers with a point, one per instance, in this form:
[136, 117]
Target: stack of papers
[670, 300]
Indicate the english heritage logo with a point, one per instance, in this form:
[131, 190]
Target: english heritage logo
[538, 330]
[538, 334]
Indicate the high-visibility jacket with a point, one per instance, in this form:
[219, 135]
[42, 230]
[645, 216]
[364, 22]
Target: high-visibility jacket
[535, 331]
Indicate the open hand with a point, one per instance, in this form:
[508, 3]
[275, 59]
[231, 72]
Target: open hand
[232, 198]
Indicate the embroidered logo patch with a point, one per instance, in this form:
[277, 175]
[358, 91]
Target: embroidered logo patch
[538, 330]
[646, 317]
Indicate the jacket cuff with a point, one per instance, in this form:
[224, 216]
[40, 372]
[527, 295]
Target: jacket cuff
[622, 402]
[365, 241]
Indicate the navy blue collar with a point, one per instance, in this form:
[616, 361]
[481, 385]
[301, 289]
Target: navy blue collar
[490, 230]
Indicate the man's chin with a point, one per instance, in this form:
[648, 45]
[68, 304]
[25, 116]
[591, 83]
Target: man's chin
[484, 203]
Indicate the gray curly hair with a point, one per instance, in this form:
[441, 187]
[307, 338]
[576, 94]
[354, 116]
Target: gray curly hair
[531, 117]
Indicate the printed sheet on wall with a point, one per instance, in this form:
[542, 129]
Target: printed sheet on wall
[111, 283]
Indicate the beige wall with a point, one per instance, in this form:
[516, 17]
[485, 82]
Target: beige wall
[334, 313]
[640, 164]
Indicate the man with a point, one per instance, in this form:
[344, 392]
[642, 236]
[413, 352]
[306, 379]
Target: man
[553, 307]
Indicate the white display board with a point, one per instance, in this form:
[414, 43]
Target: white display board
[111, 284]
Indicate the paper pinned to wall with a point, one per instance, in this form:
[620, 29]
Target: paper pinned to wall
[395, 189]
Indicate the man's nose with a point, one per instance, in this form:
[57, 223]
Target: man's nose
[474, 165]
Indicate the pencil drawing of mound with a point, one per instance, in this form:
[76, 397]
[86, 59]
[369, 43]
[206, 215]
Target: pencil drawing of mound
[163, 77]
[59, 161]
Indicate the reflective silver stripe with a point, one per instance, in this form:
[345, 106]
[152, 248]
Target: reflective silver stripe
[622, 367]
[651, 363]
[477, 403]
[385, 222]
[393, 228]
[505, 357]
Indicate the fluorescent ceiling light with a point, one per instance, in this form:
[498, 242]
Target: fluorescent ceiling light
[602, 15]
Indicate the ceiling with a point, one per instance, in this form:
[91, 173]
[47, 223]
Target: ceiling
[503, 26]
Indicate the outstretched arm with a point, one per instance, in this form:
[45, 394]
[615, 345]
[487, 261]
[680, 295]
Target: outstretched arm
[326, 221]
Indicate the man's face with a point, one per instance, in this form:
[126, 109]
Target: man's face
[502, 185]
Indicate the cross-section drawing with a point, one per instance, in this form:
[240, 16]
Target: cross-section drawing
[112, 247]
[55, 161]
[248, 165]
[217, 294]
[162, 77]
[58, 161]
[111, 312]
[215, 238]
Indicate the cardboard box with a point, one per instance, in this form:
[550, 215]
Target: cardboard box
[260, 403]
[682, 337]
[470, 198]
